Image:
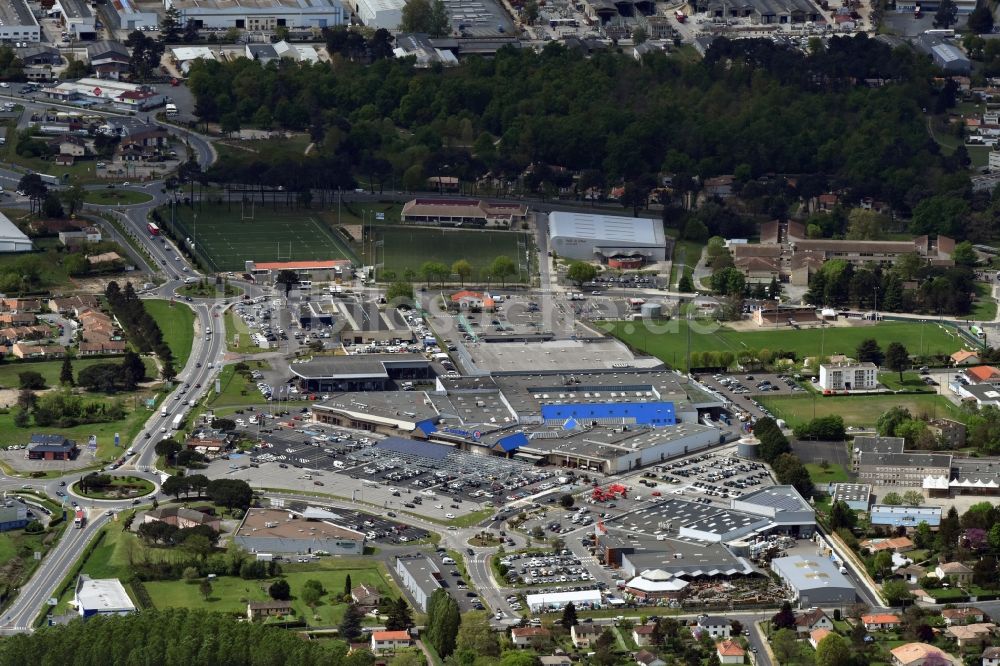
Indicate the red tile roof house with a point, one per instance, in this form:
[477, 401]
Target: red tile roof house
[390, 641]
[964, 615]
[981, 374]
[729, 652]
[880, 622]
[522, 637]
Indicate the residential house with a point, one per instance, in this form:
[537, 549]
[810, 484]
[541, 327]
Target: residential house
[917, 654]
[21, 350]
[17, 318]
[713, 625]
[976, 634]
[965, 357]
[893, 545]
[991, 656]
[720, 186]
[729, 652]
[911, 573]
[70, 145]
[72, 304]
[390, 641]
[639, 50]
[81, 236]
[109, 59]
[525, 637]
[64, 160]
[956, 571]
[365, 595]
[23, 305]
[584, 634]
[101, 348]
[647, 658]
[818, 635]
[261, 609]
[758, 270]
[810, 621]
[642, 634]
[880, 622]
[963, 615]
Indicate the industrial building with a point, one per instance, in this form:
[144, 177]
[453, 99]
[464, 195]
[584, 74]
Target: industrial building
[553, 601]
[588, 237]
[763, 12]
[18, 22]
[788, 511]
[12, 239]
[260, 14]
[101, 596]
[857, 496]
[377, 14]
[328, 270]
[361, 372]
[814, 581]
[124, 96]
[290, 533]
[13, 516]
[678, 558]
[905, 516]
[949, 57]
[364, 323]
[76, 17]
[126, 15]
[420, 577]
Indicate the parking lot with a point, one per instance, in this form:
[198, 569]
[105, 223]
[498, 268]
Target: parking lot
[380, 529]
[541, 569]
[743, 391]
[713, 475]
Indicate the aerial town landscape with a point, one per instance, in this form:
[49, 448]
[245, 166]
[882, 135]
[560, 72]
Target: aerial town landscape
[499, 332]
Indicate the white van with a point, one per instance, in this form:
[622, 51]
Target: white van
[339, 464]
[447, 560]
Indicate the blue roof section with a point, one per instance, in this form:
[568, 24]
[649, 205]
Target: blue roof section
[511, 442]
[427, 426]
[415, 448]
[642, 413]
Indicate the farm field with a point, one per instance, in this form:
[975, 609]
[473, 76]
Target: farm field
[671, 346]
[176, 320]
[408, 247]
[859, 410]
[225, 240]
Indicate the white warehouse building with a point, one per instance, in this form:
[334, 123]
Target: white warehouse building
[590, 237]
[260, 14]
[18, 23]
[377, 14]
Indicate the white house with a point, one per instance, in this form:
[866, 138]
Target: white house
[101, 596]
[390, 641]
[730, 652]
[713, 625]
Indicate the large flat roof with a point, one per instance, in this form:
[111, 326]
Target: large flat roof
[104, 595]
[408, 406]
[75, 8]
[260, 523]
[251, 5]
[810, 573]
[16, 12]
[607, 443]
[354, 366]
[779, 498]
[607, 228]
[423, 571]
[682, 558]
[669, 515]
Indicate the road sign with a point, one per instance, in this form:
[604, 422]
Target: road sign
[92, 442]
[118, 440]
[218, 385]
[53, 601]
[38, 555]
[98, 92]
[379, 216]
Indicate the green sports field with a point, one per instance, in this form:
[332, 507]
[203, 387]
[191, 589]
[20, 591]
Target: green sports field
[857, 410]
[409, 247]
[226, 237]
[671, 343]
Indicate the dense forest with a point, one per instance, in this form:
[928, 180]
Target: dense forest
[171, 638]
[849, 116]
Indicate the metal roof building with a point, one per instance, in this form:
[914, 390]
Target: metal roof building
[588, 237]
[376, 14]
[101, 596]
[815, 581]
[787, 509]
[12, 239]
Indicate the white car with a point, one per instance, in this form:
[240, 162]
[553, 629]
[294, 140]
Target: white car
[449, 516]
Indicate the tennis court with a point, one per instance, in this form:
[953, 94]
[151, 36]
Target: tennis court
[226, 238]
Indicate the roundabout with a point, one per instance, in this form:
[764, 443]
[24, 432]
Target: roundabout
[107, 487]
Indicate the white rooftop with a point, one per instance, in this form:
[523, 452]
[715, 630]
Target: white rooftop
[10, 232]
[607, 228]
[102, 595]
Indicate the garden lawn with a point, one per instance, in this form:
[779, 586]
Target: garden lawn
[236, 389]
[668, 340]
[984, 308]
[176, 320]
[860, 410]
[128, 428]
[116, 197]
[832, 474]
[9, 370]
[911, 382]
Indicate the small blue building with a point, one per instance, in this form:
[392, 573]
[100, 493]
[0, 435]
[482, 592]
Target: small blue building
[13, 516]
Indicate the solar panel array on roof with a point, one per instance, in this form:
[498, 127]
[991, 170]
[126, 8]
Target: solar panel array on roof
[413, 447]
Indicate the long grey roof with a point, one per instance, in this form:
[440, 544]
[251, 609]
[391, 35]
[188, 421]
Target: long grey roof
[810, 573]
